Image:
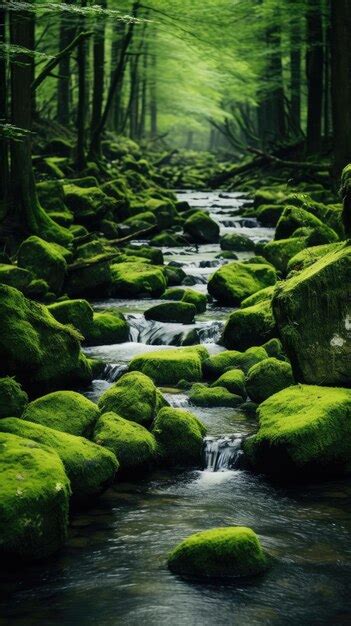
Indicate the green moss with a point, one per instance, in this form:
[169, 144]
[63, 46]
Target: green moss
[37, 289]
[66, 411]
[174, 275]
[44, 260]
[259, 296]
[280, 252]
[89, 468]
[234, 282]
[166, 367]
[92, 280]
[202, 228]
[94, 249]
[15, 276]
[269, 214]
[231, 552]
[213, 396]
[274, 347]
[179, 294]
[267, 378]
[269, 196]
[234, 381]
[109, 327]
[219, 363]
[133, 397]
[293, 218]
[168, 240]
[249, 326]
[137, 279]
[133, 445]
[163, 210]
[12, 397]
[51, 196]
[146, 252]
[88, 204]
[237, 243]
[34, 494]
[312, 311]
[38, 350]
[141, 221]
[304, 430]
[178, 312]
[79, 313]
[179, 435]
[308, 256]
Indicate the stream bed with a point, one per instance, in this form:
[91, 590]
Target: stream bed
[113, 569]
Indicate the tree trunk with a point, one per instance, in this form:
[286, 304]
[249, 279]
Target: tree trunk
[153, 98]
[67, 34]
[118, 34]
[82, 97]
[143, 96]
[134, 97]
[4, 157]
[295, 75]
[314, 71]
[275, 97]
[341, 82]
[98, 82]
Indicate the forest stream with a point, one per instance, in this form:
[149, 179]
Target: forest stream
[113, 569]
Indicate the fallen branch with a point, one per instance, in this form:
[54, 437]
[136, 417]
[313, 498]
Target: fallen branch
[315, 167]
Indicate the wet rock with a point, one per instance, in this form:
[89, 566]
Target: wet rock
[137, 279]
[213, 396]
[237, 243]
[234, 282]
[190, 296]
[178, 312]
[267, 378]
[202, 228]
[166, 367]
[179, 436]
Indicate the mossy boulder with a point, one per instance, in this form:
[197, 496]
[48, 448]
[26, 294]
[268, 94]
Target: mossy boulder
[216, 365]
[15, 276]
[133, 397]
[137, 279]
[93, 279]
[12, 397]
[89, 468]
[201, 228]
[269, 214]
[38, 289]
[42, 353]
[294, 218]
[249, 326]
[200, 395]
[109, 327]
[237, 243]
[304, 430]
[34, 496]
[234, 282]
[166, 367]
[267, 378]
[234, 381]
[78, 312]
[312, 312]
[66, 411]
[308, 256]
[154, 255]
[178, 312]
[45, 260]
[231, 552]
[280, 252]
[169, 240]
[133, 445]
[179, 294]
[88, 204]
[273, 195]
[163, 210]
[259, 296]
[179, 435]
[174, 275]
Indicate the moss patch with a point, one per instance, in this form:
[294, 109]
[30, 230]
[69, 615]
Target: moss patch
[137, 279]
[179, 435]
[234, 282]
[202, 228]
[216, 365]
[267, 378]
[12, 397]
[166, 367]
[45, 260]
[178, 312]
[200, 395]
[249, 326]
[234, 381]
[179, 294]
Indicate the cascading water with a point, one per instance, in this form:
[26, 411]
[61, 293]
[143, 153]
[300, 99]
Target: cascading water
[114, 371]
[169, 334]
[222, 453]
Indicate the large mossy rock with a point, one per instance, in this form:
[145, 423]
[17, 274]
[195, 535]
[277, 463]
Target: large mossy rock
[137, 279]
[304, 431]
[313, 312]
[294, 217]
[15, 276]
[179, 435]
[231, 552]
[234, 381]
[34, 497]
[133, 445]
[89, 468]
[78, 312]
[220, 363]
[267, 378]
[42, 353]
[167, 367]
[92, 279]
[133, 397]
[181, 294]
[66, 411]
[237, 243]
[280, 252]
[249, 326]
[234, 282]
[45, 260]
[176, 312]
[308, 256]
[202, 228]
[88, 204]
[12, 398]
[200, 395]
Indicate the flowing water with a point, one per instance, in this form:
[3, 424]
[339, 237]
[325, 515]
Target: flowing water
[113, 568]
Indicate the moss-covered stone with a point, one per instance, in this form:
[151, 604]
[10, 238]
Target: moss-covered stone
[66, 411]
[154, 255]
[109, 327]
[274, 347]
[166, 367]
[174, 275]
[133, 397]
[45, 260]
[137, 279]
[308, 256]
[12, 397]
[273, 195]
[36, 348]
[179, 294]
[169, 240]
[293, 218]
[216, 365]
[280, 252]
[234, 381]
[15, 276]
[312, 311]
[267, 378]
[202, 228]
[163, 210]
[89, 468]
[91, 280]
[234, 282]
[304, 430]
[249, 326]
[88, 204]
[178, 312]
[259, 296]
[133, 445]
[79, 313]
[269, 214]
[237, 243]
[179, 436]
[34, 495]
[38, 289]
[200, 395]
[231, 552]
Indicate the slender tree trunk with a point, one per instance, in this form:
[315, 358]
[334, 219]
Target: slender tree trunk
[143, 96]
[341, 82]
[275, 99]
[98, 82]
[153, 98]
[314, 71]
[82, 97]
[295, 75]
[67, 34]
[118, 34]
[4, 157]
[327, 95]
[134, 97]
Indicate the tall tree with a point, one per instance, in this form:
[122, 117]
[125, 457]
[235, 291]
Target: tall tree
[68, 29]
[314, 73]
[341, 82]
[98, 79]
[82, 95]
[4, 162]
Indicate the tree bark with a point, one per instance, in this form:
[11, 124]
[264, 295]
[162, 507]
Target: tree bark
[341, 82]
[314, 72]
[115, 113]
[67, 33]
[295, 75]
[153, 98]
[98, 82]
[4, 156]
[82, 97]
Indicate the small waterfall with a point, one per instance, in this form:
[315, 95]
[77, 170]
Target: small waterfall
[177, 400]
[222, 453]
[169, 334]
[113, 371]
